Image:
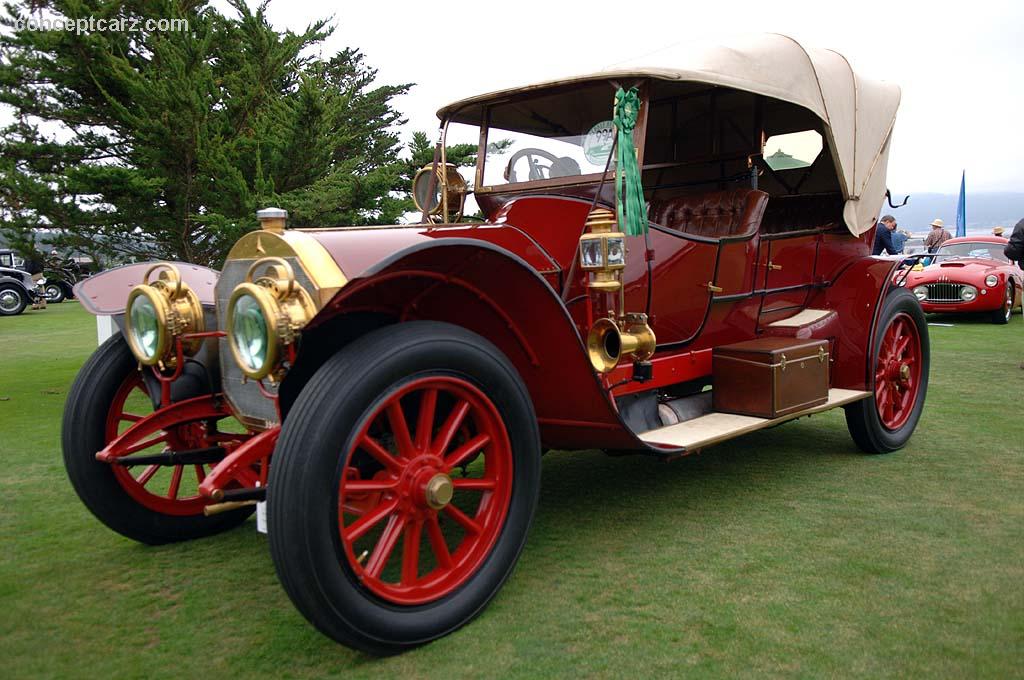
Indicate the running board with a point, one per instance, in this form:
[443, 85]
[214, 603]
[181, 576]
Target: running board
[719, 427]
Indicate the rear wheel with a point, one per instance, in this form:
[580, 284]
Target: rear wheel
[1003, 314]
[886, 420]
[12, 300]
[404, 484]
[54, 293]
[154, 504]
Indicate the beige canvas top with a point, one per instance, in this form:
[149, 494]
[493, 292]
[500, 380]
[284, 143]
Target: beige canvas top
[858, 113]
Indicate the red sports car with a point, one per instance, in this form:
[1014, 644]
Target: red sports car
[969, 274]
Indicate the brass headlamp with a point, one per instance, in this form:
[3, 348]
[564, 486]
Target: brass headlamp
[603, 254]
[448, 199]
[265, 314]
[160, 311]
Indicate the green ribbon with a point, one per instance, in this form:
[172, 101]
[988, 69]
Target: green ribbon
[630, 208]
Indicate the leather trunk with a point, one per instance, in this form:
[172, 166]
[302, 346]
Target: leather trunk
[770, 377]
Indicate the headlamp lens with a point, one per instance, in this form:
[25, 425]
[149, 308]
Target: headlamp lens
[249, 332]
[145, 326]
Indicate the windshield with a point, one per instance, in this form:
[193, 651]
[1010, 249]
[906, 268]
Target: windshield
[979, 249]
[557, 136]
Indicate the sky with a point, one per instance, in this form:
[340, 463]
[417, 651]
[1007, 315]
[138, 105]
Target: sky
[959, 69]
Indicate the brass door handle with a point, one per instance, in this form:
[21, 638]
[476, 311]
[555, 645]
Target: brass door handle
[774, 266]
[713, 288]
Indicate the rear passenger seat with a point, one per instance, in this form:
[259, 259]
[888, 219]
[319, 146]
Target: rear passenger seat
[800, 213]
[717, 214]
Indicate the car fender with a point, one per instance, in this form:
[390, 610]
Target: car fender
[496, 294]
[106, 293]
[856, 294]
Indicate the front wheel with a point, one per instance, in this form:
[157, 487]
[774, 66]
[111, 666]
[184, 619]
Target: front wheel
[12, 300]
[885, 421]
[404, 484]
[1002, 315]
[151, 504]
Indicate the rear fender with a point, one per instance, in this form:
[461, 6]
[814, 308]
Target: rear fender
[856, 294]
[491, 292]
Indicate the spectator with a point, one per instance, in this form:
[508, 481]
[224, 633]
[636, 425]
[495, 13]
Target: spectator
[883, 237]
[899, 239]
[937, 236]
[997, 231]
[1014, 250]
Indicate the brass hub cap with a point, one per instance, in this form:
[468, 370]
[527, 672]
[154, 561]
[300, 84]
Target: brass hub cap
[905, 372]
[439, 491]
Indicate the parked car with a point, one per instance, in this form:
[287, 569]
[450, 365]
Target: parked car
[17, 291]
[61, 274]
[10, 259]
[397, 385]
[969, 274]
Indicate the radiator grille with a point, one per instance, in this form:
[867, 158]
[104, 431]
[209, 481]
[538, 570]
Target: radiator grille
[944, 292]
[245, 398]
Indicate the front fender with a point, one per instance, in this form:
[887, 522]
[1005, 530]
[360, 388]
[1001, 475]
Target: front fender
[106, 293]
[494, 293]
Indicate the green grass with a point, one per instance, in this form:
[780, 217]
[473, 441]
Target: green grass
[785, 552]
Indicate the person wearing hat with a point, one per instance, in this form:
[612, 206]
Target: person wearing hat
[997, 231]
[937, 236]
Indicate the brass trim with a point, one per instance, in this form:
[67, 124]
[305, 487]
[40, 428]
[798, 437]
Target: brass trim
[713, 288]
[320, 267]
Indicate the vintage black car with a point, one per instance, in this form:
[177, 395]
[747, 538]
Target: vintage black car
[17, 291]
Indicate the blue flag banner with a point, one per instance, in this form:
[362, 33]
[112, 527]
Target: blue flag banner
[961, 210]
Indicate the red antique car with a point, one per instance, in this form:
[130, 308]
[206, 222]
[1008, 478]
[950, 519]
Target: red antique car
[969, 274]
[388, 392]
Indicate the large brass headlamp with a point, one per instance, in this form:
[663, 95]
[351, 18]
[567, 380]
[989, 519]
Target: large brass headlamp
[265, 315]
[160, 311]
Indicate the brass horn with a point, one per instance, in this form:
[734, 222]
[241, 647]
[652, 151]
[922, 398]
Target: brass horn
[607, 343]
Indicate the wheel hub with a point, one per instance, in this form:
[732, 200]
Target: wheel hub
[439, 491]
[8, 300]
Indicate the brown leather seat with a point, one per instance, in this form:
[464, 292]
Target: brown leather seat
[716, 214]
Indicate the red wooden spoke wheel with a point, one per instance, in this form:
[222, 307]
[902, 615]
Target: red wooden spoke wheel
[897, 376]
[403, 486]
[446, 516]
[898, 371]
[145, 503]
[159, 488]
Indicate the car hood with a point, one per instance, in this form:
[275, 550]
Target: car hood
[966, 270]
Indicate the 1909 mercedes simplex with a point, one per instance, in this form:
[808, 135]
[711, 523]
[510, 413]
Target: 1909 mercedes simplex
[389, 391]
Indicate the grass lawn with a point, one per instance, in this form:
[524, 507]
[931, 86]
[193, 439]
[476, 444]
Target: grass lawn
[785, 552]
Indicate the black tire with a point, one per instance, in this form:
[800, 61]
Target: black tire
[302, 490]
[1002, 315]
[54, 293]
[83, 434]
[12, 300]
[862, 417]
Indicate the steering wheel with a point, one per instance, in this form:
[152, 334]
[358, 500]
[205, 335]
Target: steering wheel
[532, 156]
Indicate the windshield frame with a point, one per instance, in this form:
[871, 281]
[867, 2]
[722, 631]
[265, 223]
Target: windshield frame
[639, 134]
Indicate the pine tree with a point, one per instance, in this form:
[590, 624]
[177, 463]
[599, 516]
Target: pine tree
[158, 143]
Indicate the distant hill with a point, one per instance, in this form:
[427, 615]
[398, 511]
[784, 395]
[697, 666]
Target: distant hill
[984, 210]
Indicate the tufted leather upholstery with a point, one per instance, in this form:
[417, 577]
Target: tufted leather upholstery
[713, 214]
[797, 213]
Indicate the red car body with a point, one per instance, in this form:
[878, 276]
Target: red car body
[971, 267]
[398, 384]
